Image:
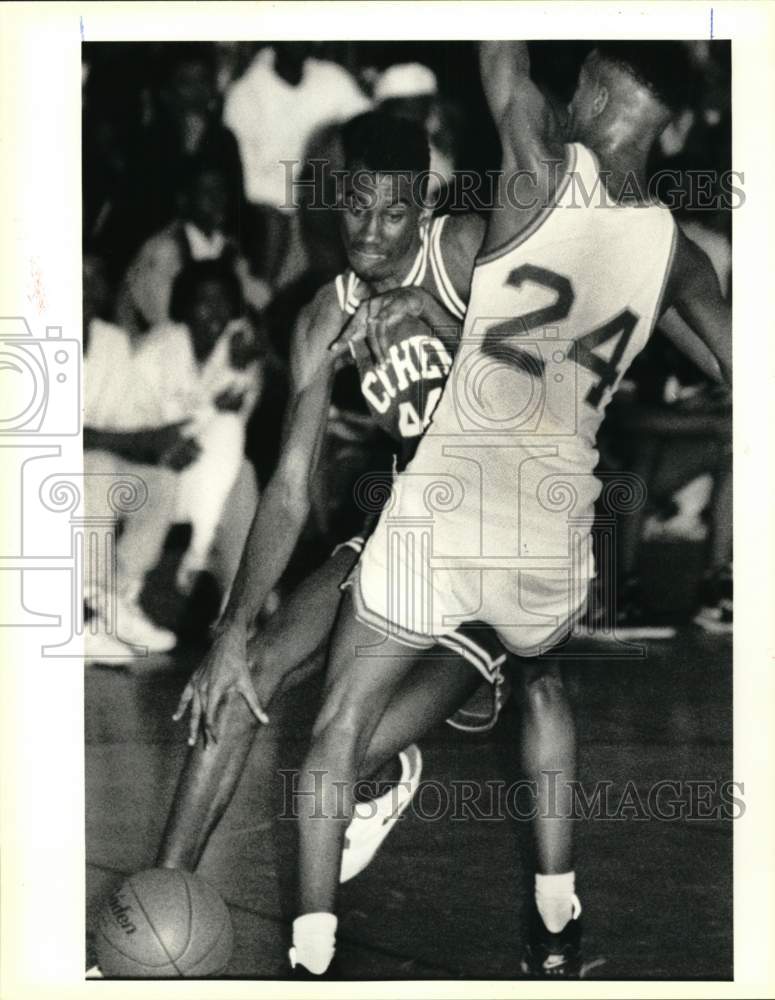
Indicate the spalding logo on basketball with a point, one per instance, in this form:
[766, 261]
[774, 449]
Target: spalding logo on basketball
[164, 923]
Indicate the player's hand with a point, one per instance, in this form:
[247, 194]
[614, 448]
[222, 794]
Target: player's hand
[375, 319]
[229, 401]
[224, 670]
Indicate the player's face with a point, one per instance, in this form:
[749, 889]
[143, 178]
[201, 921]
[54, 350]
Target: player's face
[380, 225]
[210, 311]
[209, 202]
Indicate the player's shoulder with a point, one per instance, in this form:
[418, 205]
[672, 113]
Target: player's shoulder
[460, 242]
[323, 309]
[461, 235]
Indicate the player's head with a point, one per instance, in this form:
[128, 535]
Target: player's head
[206, 295]
[628, 89]
[386, 170]
[205, 197]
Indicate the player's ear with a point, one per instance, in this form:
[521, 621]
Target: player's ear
[600, 100]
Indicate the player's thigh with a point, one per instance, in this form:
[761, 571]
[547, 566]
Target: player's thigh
[364, 671]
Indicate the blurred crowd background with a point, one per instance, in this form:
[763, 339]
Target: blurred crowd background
[196, 264]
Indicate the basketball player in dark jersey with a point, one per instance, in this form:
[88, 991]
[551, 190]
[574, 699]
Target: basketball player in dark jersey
[393, 245]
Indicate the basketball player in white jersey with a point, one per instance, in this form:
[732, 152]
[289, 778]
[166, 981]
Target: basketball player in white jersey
[492, 517]
[392, 243]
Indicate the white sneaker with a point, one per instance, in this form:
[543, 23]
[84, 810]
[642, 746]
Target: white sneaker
[94, 973]
[135, 627]
[373, 821]
[106, 649]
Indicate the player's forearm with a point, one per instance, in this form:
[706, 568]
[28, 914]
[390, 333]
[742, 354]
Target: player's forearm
[277, 525]
[686, 340]
[501, 64]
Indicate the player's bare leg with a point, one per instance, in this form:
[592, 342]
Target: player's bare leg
[549, 760]
[358, 691]
[281, 653]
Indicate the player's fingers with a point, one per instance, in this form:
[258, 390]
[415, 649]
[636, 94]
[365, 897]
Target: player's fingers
[212, 702]
[378, 340]
[249, 694]
[185, 698]
[196, 715]
[353, 332]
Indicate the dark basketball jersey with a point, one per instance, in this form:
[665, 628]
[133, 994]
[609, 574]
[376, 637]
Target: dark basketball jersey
[402, 393]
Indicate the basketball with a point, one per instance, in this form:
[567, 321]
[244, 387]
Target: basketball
[164, 923]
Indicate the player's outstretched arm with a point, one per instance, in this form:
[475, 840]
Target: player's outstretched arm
[277, 525]
[693, 290]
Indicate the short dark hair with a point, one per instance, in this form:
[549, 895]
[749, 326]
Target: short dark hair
[662, 67]
[197, 273]
[385, 144]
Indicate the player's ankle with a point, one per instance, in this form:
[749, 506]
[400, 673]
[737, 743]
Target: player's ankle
[556, 899]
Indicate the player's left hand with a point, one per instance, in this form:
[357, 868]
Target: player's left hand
[224, 670]
[374, 320]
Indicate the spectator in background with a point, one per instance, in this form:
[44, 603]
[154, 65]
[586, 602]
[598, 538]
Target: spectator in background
[410, 90]
[204, 365]
[676, 428]
[182, 128]
[123, 433]
[198, 233]
[283, 98]
[173, 410]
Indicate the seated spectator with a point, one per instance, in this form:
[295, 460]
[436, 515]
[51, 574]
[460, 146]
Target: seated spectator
[198, 233]
[173, 410]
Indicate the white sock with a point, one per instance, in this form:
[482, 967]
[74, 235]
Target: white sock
[556, 900]
[314, 941]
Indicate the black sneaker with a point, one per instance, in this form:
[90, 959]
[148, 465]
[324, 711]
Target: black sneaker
[553, 956]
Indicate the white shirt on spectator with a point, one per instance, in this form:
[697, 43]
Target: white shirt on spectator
[113, 400]
[273, 121]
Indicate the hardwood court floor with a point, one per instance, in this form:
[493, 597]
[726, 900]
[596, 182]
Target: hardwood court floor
[444, 899]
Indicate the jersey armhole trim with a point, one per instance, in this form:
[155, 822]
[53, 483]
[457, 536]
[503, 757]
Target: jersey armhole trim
[665, 276]
[444, 283]
[538, 221]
